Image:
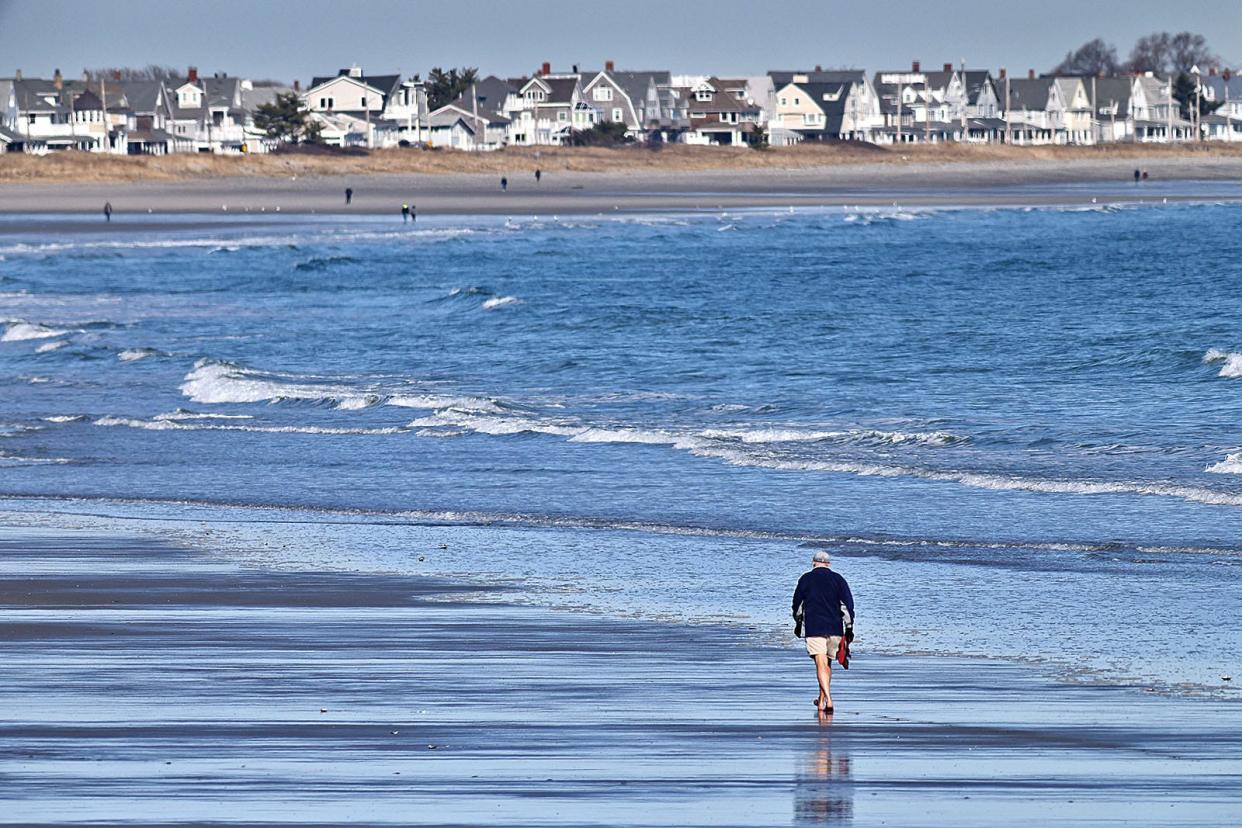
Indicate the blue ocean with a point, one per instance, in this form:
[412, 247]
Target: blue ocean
[1017, 429]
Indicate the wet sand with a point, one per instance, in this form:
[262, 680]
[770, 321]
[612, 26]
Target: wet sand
[563, 192]
[149, 684]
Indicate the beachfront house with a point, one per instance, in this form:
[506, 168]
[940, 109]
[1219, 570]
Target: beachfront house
[638, 99]
[475, 120]
[720, 112]
[1225, 124]
[1077, 115]
[824, 106]
[1155, 113]
[546, 108]
[918, 106]
[356, 109]
[1110, 107]
[52, 115]
[1033, 110]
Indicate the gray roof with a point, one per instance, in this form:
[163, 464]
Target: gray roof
[1109, 91]
[562, 88]
[491, 92]
[140, 96]
[784, 77]
[1028, 94]
[252, 99]
[9, 137]
[976, 82]
[386, 84]
[636, 84]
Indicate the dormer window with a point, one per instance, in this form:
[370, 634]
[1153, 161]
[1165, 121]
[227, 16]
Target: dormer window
[703, 95]
[603, 93]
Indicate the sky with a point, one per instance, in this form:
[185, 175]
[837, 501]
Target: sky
[288, 40]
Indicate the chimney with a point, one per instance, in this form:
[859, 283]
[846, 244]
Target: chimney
[914, 66]
[575, 68]
[297, 85]
[58, 80]
[546, 69]
[609, 66]
[1030, 74]
[1003, 74]
[116, 75]
[17, 74]
[818, 68]
[191, 74]
[948, 67]
[86, 76]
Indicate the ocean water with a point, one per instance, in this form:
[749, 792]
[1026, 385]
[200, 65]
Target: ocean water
[1017, 428]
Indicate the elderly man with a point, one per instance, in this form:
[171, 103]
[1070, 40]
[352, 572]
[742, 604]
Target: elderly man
[822, 604]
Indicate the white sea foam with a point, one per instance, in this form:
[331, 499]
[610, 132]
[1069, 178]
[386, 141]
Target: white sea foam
[135, 354]
[23, 331]
[183, 414]
[213, 382]
[48, 347]
[66, 418]
[1232, 464]
[181, 425]
[786, 435]
[501, 302]
[1231, 367]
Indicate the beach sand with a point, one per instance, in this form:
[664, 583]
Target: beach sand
[143, 683]
[570, 192]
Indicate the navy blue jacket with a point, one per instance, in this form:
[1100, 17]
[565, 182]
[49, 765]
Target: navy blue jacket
[820, 594]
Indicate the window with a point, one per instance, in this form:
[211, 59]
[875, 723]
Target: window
[797, 101]
[784, 102]
[562, 115]
[703, 95]
[603, 93]
[327, 103]
[618, 115]
[362, 102]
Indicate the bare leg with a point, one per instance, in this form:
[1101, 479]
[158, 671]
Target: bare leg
[823, 670]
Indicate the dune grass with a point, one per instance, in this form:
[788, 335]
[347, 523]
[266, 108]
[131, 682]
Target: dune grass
[87, 168]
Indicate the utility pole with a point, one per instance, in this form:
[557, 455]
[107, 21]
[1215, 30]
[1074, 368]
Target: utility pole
[474, 93]
[1009, 124]
[1228, 107]
[1170, 86]
[899, 112]
[1194, 70]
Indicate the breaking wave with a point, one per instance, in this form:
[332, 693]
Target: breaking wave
[24, 331]
[215, 382]
[1231, 362]
[500, 302]
[196, 424]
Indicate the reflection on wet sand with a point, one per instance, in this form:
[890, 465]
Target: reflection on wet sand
[824, 790]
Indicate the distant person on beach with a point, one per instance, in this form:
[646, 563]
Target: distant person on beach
[349, 195]
[1144, 175]
[413, 213]
[504, 184]
[405, 213]
[1138, 174]
[107, 211]
[823, 608]
[538, 176]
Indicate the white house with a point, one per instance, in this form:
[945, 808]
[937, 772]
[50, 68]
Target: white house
[547, 108]
[367, 110]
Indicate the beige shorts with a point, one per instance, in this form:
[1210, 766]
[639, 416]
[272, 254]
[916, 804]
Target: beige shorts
[823, 645]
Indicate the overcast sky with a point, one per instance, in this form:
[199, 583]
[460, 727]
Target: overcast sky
[287, 40]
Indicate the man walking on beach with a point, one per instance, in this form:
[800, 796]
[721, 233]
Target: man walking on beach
[822, 604]
[349, 196]
[107, 211]
[405, 213]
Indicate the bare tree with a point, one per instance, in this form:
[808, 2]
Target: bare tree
[1191, 50]
[1167, 53]
[1093, 58]
[151, 71]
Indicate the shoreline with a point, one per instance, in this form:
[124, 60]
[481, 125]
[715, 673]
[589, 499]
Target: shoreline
[966, 183]
[146, 682]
